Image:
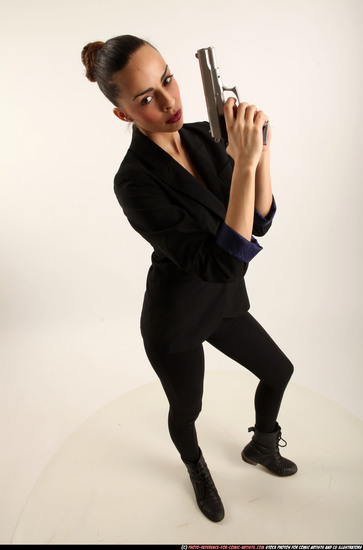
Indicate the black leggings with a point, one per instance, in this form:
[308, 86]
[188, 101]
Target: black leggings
[182, 374]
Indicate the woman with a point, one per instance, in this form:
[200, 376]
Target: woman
[199, 206]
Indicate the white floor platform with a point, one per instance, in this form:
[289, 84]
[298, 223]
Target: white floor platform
[119, 480]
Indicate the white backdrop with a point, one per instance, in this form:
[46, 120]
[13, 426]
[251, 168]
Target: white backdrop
[70, 304]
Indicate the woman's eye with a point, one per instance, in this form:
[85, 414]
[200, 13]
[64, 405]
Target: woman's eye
[168, 79]
[146, 100]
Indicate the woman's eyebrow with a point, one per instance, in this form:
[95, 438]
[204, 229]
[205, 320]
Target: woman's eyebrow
[151, 89]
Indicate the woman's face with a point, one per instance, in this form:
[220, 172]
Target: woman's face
[150, 95]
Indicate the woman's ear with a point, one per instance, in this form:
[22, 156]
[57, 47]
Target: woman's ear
[121, 115]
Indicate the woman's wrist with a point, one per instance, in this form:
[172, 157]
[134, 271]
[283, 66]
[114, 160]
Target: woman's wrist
[264, 158]
[263, 198]
[245, 166]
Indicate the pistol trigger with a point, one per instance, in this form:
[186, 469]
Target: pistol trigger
[234, 90]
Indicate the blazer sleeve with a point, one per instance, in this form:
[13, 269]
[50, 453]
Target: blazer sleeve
[173, 232]
[262, 224]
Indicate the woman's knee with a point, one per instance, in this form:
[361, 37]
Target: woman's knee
[278, 372]
[187, 414]
[287, 370]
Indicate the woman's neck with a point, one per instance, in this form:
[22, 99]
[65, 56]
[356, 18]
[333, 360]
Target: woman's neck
[169, 141]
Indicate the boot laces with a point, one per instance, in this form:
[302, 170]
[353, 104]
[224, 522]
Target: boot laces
[279, 437]
[208, 482]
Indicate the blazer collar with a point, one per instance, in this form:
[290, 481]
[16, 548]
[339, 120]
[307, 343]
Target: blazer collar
[170, 171]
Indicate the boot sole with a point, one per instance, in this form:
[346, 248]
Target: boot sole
[253, 463]
[248, 460]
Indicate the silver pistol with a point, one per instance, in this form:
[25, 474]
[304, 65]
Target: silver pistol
[214, 96]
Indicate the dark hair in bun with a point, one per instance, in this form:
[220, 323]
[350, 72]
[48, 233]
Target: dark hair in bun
[103, 59]
[89, 56]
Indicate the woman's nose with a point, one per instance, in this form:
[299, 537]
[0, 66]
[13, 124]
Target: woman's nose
[167, 102]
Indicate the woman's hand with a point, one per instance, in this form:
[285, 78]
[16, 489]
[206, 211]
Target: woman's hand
[244, 126]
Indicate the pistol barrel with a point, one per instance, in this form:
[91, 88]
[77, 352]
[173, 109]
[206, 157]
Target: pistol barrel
[213, 91]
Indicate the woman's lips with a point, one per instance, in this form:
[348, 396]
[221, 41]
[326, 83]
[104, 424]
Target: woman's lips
[175, 117]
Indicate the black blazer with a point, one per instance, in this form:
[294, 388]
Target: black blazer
[192, 282]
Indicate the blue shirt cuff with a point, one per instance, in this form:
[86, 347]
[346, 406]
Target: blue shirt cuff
[236, 245]
[262, 220]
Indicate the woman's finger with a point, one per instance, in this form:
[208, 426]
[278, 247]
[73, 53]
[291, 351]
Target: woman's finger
[250, 113]
[241, 111]
[229, 110]
[260, 118]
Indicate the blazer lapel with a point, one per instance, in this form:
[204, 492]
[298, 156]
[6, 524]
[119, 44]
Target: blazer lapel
[163, 166]
[201, 158]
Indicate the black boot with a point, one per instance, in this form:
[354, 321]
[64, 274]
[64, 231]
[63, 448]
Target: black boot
[206, 493]
[264, 450]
